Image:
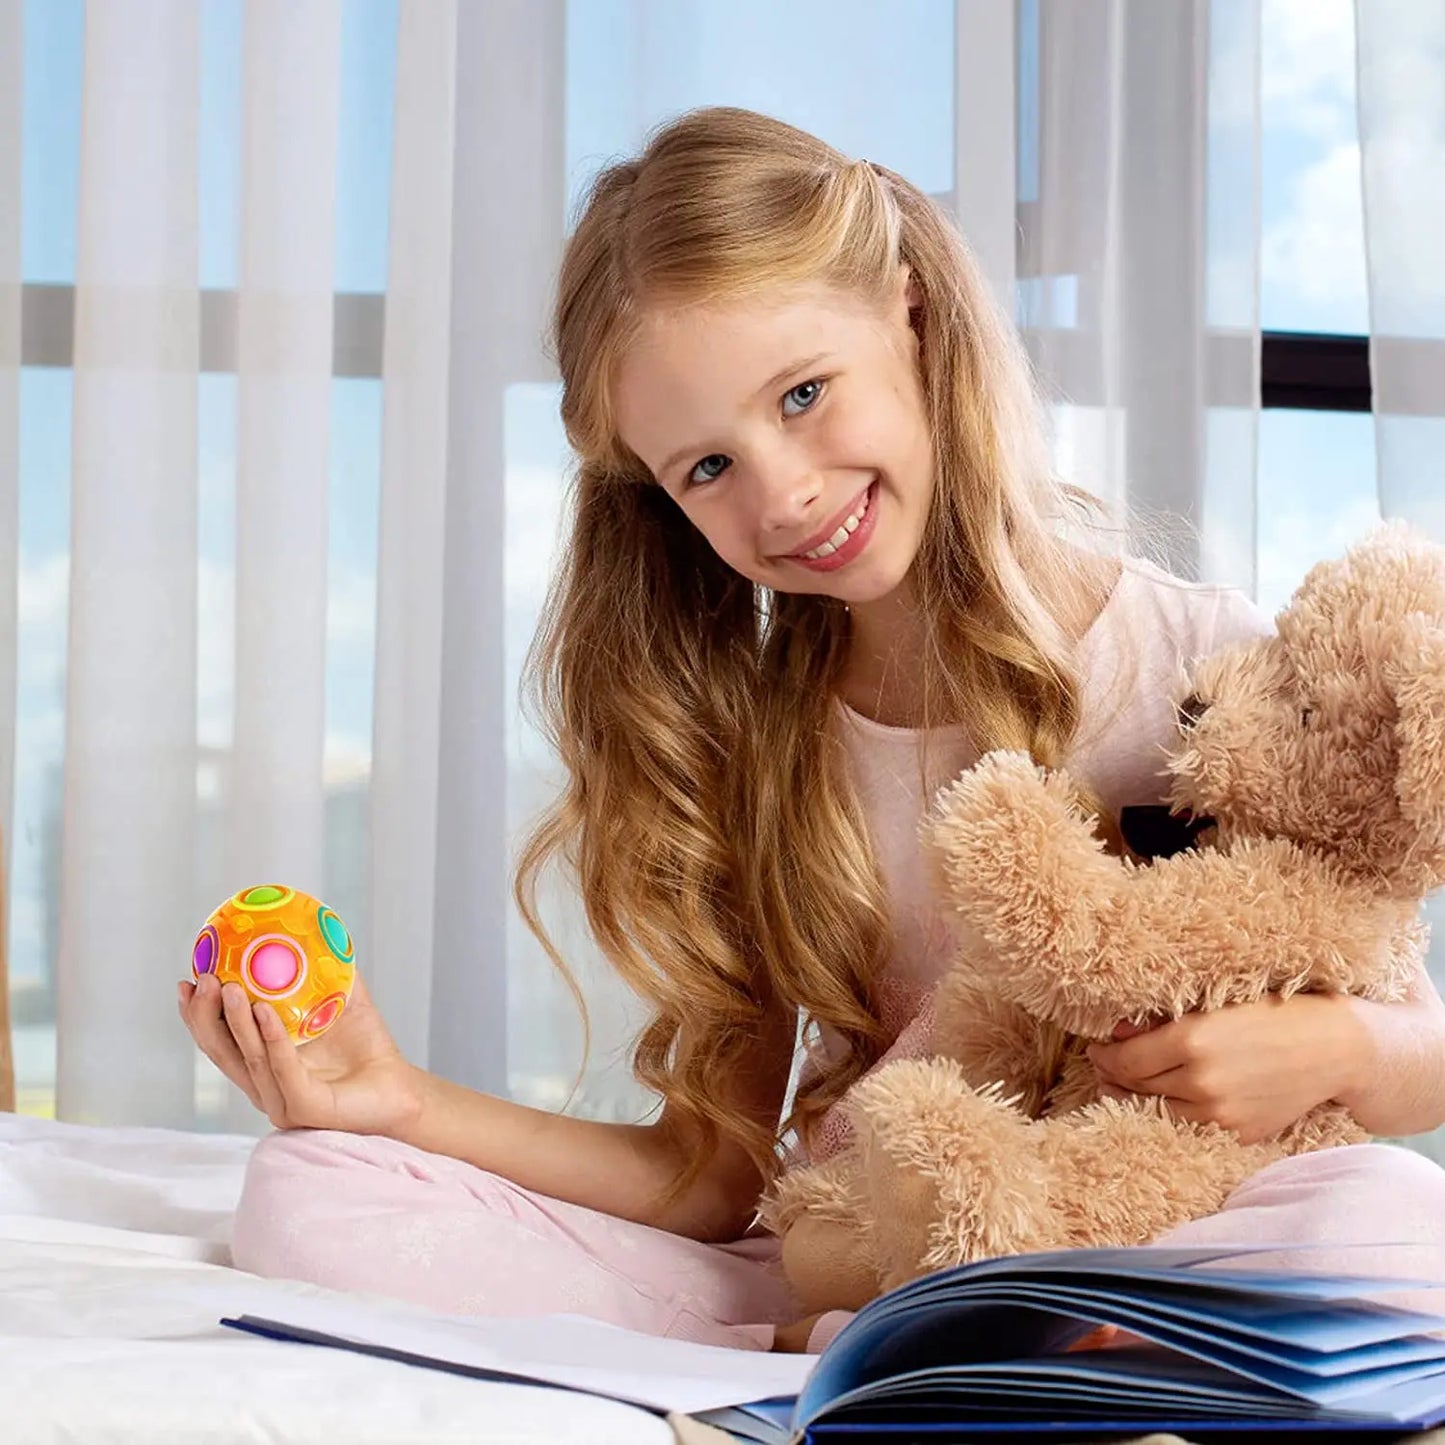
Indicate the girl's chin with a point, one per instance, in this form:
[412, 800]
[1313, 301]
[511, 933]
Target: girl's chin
[867, 585]
[856, 588]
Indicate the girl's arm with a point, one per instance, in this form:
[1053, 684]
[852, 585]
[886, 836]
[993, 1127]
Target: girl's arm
[1258, 1067]
[1400, 1083]
[620, 1169]
[354, 1078]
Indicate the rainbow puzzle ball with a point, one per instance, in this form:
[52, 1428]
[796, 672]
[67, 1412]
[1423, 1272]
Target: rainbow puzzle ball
[284, 948]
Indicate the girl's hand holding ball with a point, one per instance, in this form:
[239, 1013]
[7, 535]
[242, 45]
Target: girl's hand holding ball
[273, 969]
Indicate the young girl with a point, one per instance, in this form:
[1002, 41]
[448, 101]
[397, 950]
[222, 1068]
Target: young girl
[814, 529]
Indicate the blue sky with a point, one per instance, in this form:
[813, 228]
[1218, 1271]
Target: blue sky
[622, 78]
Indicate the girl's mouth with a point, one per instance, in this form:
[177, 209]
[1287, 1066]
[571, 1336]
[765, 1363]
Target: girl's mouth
[847, 541]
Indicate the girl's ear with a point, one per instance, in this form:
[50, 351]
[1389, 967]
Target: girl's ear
[913, 299]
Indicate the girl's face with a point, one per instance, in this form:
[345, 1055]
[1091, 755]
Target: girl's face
[791, 431]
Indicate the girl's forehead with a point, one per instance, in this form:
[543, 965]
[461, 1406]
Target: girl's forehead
[762, 314]
[743, 342]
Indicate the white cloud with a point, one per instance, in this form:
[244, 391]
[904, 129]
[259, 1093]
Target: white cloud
[216, 661]
[43, 587]
[1307, 67]
[1313, 258]
[534, 502]
[351, 608]
[1403, 121]
[1291, 543]
[1312, 251]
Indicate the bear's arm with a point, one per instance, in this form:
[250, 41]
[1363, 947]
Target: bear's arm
[1201, 930]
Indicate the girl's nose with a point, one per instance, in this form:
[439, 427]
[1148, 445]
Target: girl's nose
[787, 500]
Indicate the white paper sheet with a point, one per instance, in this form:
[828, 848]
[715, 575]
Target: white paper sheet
[566, 1350]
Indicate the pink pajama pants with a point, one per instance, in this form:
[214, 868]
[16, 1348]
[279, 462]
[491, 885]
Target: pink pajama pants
[356, 1212]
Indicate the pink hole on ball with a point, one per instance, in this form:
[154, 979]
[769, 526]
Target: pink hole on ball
[274, 966]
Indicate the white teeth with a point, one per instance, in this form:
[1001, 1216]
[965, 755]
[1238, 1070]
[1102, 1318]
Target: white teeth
[850, 525]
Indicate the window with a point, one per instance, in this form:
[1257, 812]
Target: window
[1317, 457]
[51, 66]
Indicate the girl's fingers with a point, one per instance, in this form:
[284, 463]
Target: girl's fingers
[291, 1075]
[253, 1050]
[202, 1014]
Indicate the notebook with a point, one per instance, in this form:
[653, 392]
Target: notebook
[1216, 1350]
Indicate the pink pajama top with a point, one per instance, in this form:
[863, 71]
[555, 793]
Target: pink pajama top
[1133, 662]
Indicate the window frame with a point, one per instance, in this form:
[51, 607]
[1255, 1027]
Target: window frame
[47, 330]
[1315, 371]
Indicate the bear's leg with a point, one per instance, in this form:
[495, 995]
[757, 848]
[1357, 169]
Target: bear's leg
[1125, 1172]
[951, 1173]
[818, 1212]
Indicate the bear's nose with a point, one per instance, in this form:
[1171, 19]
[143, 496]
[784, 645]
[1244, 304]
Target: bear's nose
[1190, 711]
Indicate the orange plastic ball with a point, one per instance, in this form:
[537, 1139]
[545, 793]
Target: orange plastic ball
[284, 948]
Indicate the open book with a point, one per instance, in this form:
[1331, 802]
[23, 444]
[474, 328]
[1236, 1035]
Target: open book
[984, 1350]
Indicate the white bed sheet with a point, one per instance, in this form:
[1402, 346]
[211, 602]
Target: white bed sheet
[114, 1273]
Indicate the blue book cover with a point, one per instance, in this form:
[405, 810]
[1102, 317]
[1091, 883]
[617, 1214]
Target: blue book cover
[1216, 1349]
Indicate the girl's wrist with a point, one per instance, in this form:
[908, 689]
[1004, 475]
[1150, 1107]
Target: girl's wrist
[411, 1090]
[1354, 1049]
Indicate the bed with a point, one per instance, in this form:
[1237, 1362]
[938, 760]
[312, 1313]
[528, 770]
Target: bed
[114, 1273]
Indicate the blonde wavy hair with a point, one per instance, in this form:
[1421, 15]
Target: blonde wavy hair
[722, 859]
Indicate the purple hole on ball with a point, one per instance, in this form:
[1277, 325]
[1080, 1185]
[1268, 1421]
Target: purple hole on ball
[203, 956]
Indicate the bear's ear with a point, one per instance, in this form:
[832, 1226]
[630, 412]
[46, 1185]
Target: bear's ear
[1416, 675]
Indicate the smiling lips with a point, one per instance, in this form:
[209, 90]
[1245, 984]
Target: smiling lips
[837, 532]
[845, 538]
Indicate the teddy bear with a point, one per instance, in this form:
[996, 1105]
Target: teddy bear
[1312, 764]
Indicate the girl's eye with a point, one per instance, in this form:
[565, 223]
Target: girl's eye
[804, 394]
[709, 469]
[804, 397]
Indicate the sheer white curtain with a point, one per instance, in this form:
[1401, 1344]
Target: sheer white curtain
[10, 16]
[129, 867]
[502, 112]
[509, 214]
[1138, 219]
[274, 806]
[478, 204]
[1101, 157]
[130, 742]
[412, 527]
[478, 200]
[1400, 48]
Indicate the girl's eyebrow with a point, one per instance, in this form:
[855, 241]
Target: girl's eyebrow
[779, 377]
[775, 380]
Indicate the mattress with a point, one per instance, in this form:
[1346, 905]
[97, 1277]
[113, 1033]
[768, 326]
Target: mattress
[114, 1273]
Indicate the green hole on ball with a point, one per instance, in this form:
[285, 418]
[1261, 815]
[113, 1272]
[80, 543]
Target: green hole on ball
[337, 938]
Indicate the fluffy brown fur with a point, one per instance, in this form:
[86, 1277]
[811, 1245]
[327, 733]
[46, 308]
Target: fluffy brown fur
[1320, 755]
